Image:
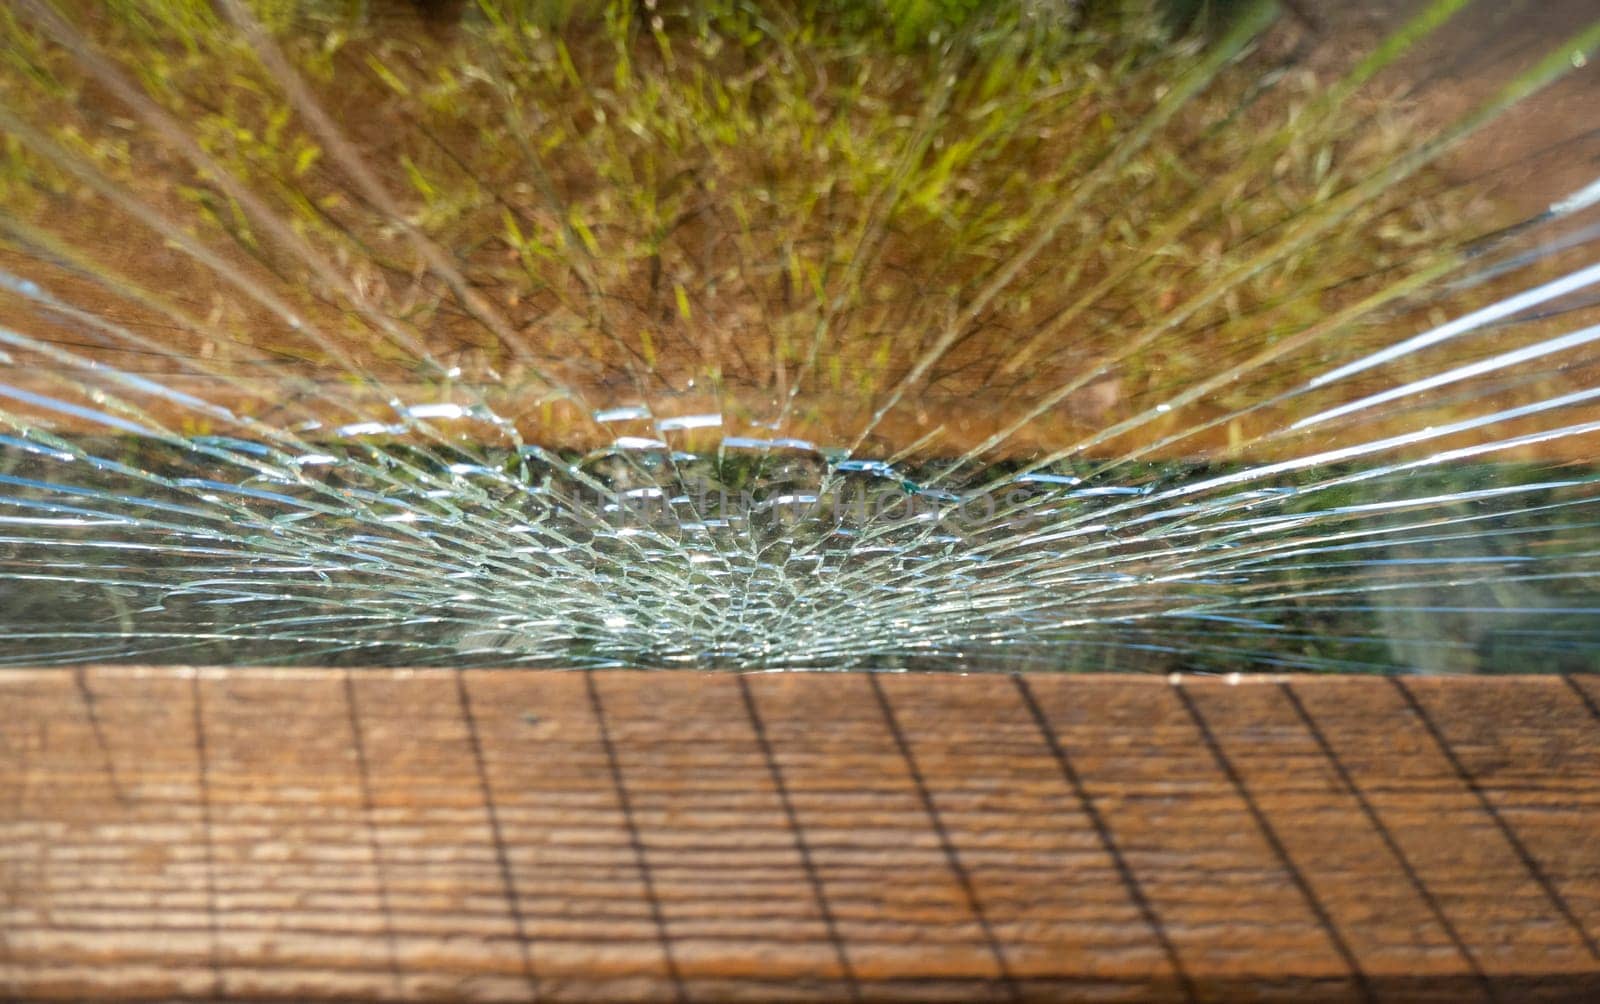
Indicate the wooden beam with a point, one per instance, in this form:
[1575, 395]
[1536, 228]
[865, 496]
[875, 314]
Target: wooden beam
[507, 835]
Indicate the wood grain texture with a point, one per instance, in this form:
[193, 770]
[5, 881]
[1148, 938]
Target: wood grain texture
[378, 835]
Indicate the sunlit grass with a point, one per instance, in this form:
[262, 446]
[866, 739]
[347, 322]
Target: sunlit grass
[359, 334]
[800, 212]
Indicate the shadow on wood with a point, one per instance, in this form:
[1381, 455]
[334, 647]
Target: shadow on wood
[487, 835]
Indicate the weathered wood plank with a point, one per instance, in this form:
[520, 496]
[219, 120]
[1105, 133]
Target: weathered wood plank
[487, 835]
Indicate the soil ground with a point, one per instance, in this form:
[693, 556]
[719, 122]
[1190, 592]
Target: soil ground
[1522, 163]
